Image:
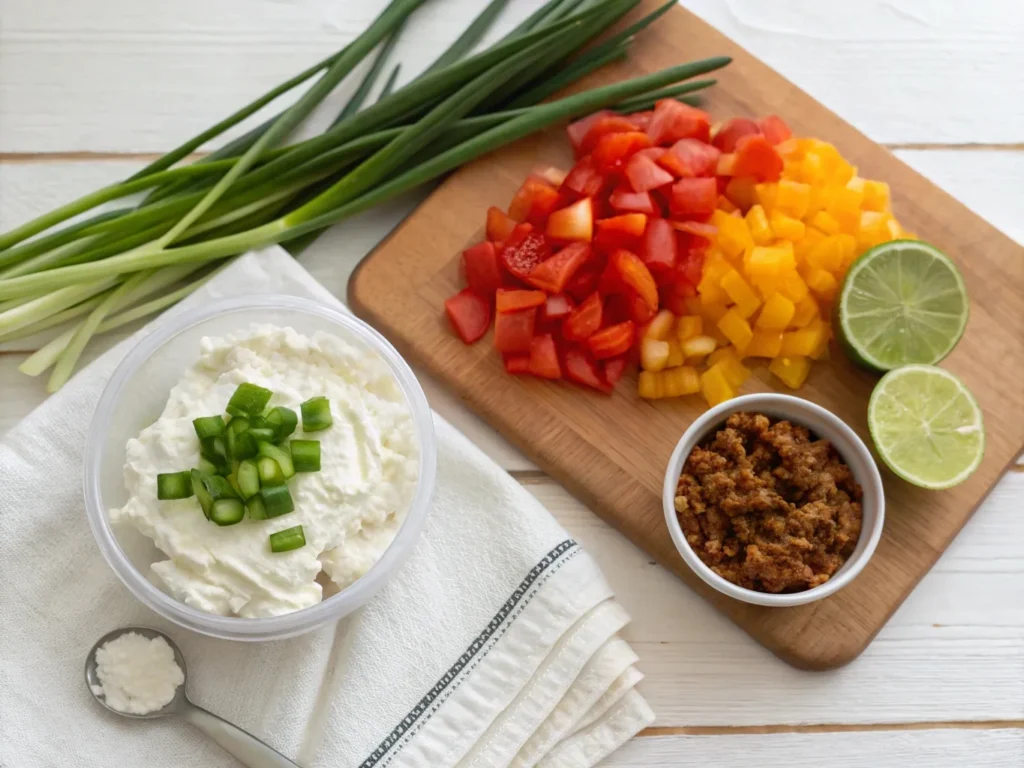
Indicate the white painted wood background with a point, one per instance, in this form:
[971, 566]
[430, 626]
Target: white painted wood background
[90, 88]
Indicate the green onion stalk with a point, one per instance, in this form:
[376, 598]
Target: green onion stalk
[103, 269]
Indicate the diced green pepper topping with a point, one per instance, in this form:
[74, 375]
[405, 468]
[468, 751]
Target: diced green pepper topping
[316, 414]
[288, 539]
[248, 400]
[305, 455]
[174, 485]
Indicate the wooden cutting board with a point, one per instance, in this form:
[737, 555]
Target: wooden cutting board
[612, 452]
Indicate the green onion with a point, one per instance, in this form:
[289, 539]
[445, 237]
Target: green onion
[269, 472]
[174, 485]
[208, 489]
[248, 400]
[208, 426]
[316, 414]
[305, 455]
[283, 421]
[248, 477]
[233, 482]
[214, 449]
[263, 434]
[255, 507]
[207, 467]
[287, 540]
[282, 456]
[277, 500]
[227, 511]
[240, 444]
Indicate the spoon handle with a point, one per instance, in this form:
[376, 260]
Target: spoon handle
[247, 748]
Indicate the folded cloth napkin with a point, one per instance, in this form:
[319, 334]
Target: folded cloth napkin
[496, 644]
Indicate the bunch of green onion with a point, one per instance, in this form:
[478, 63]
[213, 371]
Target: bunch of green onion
[105, 270]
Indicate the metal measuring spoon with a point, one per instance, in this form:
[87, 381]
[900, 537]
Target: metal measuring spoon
[243, 745]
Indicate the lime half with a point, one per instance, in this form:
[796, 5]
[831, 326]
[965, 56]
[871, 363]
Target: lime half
[926, 426]
[902, 303]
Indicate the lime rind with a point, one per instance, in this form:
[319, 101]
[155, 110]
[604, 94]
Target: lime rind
[926, 426]
[903, 302]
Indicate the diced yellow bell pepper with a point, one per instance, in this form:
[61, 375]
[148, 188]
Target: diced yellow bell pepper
[874, 229]
[856, 184]
[792, 286]
[848, 249]
[765, 194]
[698, 347]
[733, 234]
[841, 172]
[740, 190]
[791, 370]
[876, 196]
[649, 386]
[804, 342]
[673, 382]
[693, 305]
[764, 344]
[653, 354]
[776, 314]
[689, 326]
[806, 310]
[736, 329]
[661, 326]
[827, 255]
[757, 223]
[846, 209]
[765, 261]
[812, 236]
[735, 372]
[786, 227]
[790, 148]
[727, 205]
[825, 221]
[792, 198]
[739, 290]
[720, 338]
[712, 312]
[825, 334]
[821, 198]
[811, 170]
[822, 283]
[675, 354]
[715, 386]
[710, 286]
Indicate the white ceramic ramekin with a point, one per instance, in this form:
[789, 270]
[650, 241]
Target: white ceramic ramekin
[824, 424]
[134, 398]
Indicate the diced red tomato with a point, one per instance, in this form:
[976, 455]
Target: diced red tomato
[638, 310]
[641, 120]
[469, 315]
[614, 149]
[552, 175]
[726, 166]
[584, 320]
[517, 365]
[577, 130]
[613, 369]
[544, 357]
[583, 283]
[690, 157]
[516, 300]
[556, 308]
[584, 180]
[732, 131]
[694, 198]
[756, 157]
[644, 174]
[534, 200]
[604, 125]
[555, 273]
[613, 341]
[698, 228]
[628, 225]
[624, 199]
[659, 249]
[775, 129]
[574, 222]
[582, 369]
[480, 266]
[690, 266]
[499, 224]
[514, 330]
[635, 274]
[523, 251]
[672, 120]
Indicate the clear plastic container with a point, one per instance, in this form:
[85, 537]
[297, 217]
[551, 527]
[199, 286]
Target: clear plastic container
[135, 397]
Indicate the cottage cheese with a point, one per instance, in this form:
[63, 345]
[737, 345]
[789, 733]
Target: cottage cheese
[137, 675]
[350, 511]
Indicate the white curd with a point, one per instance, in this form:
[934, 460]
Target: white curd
[137, 675]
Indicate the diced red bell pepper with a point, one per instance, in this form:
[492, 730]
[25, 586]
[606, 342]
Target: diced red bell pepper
[469, 315]
[523, 251]
[732, 131]
[516, 300]
[624, 199]
[756, 157]
[672, 120]
[775, 129]
[499, 224]
[644, 174]
[614, 149]
[625, 228]
[638, 310]
[556, 308]
[555, 273]
[697, 228]
[690, 267]
[613, 369]
[582, 369]
[584, 320]
[583, 283]
[534, 200]
[693, 198]
[578, 129]
[726, 166]
[552, 175]
[642, 120]
[613, 341]
[574, 222]
[514, 330]
[544, 357]
[480, 265]
[659, 248]
[604, 125]
[517, 365]
[584, 180]
[635, 274]
[690, 157]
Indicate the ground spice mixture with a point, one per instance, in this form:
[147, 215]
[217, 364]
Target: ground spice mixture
[768, 506]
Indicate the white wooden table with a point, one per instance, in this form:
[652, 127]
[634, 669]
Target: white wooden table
[92, 89]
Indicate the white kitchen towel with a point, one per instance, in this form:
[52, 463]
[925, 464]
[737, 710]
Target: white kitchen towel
[496, 644]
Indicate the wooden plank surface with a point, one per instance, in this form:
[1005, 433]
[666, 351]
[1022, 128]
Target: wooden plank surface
[611, 452]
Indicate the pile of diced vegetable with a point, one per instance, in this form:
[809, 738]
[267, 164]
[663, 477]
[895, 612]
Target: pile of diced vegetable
[673, 245]
[246, 461]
